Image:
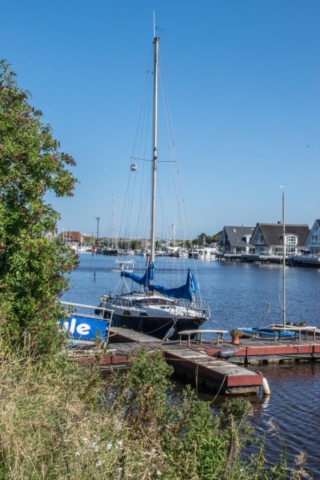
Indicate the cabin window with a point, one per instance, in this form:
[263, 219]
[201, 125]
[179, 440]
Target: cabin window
[143, 314]
[137, 302]
[155, 301]
[126, 312]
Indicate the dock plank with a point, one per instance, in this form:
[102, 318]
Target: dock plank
[200, 362]
[132, 335]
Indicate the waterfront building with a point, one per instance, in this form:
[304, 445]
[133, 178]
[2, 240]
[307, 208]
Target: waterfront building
[236, 240]
[313, 241]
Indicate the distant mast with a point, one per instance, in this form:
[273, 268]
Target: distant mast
[154, 150]
[284, 300]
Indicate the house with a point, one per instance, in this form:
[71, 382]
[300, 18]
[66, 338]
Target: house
[235, 240]
[50, 236]
[145, 244]
[267, 238]
[72, 237]
[313, 241]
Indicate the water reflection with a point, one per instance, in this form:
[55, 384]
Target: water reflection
[293, 406]
[239, 295]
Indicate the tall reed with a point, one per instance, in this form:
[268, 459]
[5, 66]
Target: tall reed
[59, 421]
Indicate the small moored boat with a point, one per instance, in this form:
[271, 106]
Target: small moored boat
[264, 332]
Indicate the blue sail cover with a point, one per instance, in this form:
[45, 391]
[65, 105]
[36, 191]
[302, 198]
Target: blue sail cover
[145, 280]
[185, 292]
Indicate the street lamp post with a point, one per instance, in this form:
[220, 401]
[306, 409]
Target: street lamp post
[97, 240]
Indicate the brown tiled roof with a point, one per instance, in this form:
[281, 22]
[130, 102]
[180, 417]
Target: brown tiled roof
[272, 232]
[71, 236]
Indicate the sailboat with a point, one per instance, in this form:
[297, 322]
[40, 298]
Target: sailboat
[155, 309]
[268, 331]
[112, 249]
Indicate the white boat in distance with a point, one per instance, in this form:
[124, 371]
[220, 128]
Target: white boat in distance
[181, 253]
[206, 253]
[155, 309]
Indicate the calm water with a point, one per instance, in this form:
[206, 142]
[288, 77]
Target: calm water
[240, 295]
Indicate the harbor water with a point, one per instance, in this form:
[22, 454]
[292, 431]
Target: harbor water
[242, 295]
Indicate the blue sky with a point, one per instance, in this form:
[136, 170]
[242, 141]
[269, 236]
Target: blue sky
[242, 78]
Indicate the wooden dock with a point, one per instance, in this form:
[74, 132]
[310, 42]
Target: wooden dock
[250, 258]
[199, 367]
[199, 362]
[212, 373]
[261, 352]
[248, 352]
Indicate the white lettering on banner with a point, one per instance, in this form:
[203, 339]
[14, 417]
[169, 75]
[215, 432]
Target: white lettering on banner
[72, 325]
[83, 329]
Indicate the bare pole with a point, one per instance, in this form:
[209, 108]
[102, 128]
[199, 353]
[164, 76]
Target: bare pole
[155, 142]
[98, 219]
[284, 300]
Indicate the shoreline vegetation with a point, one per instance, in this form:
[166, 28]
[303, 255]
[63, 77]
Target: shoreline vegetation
[60, 421]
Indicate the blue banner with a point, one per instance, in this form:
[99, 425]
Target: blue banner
[85, 328]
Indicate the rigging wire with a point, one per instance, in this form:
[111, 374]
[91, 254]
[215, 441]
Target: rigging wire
[176, 174]
[130, 207]
[172, 203]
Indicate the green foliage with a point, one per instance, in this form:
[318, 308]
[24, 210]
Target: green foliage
[238, 408]
[147, 383]
[58, 421]
[204, 239]
[135, 245]
[32, 267]
[235, 332]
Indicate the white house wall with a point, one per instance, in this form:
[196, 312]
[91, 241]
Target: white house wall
[313, 241]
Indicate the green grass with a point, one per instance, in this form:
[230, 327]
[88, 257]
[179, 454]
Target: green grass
[58, 421]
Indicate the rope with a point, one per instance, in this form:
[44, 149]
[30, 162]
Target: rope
[224, 379]
[174, 322]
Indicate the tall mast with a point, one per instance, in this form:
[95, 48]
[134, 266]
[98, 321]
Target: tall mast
[113, 226]
[284, 308]
[154, 152]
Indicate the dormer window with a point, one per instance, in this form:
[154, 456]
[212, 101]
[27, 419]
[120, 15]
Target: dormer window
[291, 240]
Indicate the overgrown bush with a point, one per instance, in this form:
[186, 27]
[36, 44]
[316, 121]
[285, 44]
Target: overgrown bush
[59, 421]
[32, 264]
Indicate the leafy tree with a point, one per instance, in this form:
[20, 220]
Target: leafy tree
[204, 239]
[32, 267]
[216, 237]
[135, 245]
